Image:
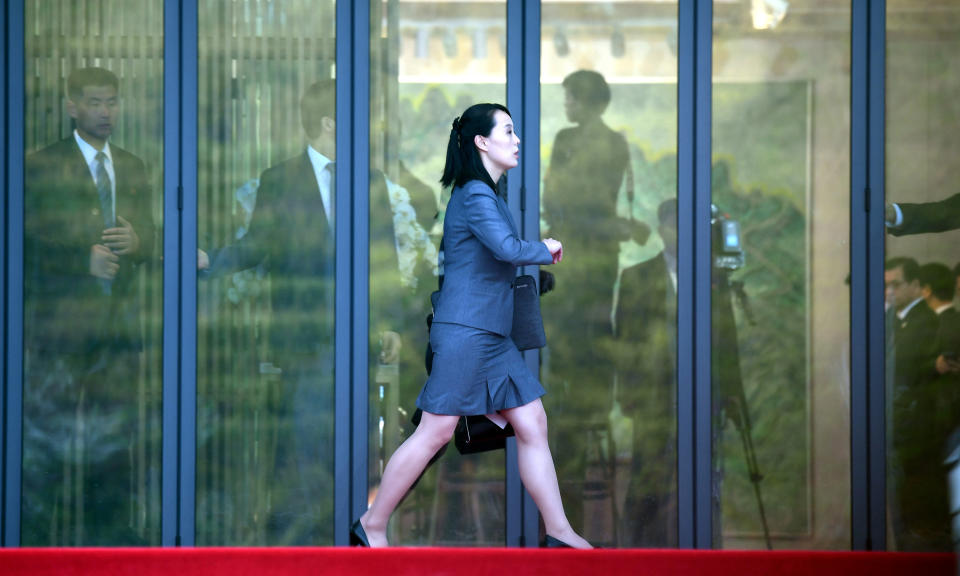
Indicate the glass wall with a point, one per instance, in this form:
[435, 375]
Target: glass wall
[92, 275]
[922, 269]
[429, 61]
[609, 187]
[266, 166]
[780, 296]
[265, 300]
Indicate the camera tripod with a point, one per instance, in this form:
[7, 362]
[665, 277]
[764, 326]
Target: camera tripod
[727, 380]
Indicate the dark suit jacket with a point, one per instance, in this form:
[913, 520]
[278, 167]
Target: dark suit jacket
[915, 350]
[948, 334]
[646, 320]
[68, 309]
[290, 234]
[482, 250]
[929, 217]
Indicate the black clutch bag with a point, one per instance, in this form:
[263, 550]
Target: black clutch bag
[473, 434]
[479, 434]
[527, 332]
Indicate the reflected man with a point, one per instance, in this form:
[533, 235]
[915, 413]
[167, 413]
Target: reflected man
[646, 362]
[87, 232]
[292, 232]
[917, 515]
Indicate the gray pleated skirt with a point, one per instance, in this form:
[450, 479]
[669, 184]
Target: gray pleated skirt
[475, 372]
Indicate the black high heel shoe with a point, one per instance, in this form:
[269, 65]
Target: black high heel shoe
[357, 536]
[551, 542]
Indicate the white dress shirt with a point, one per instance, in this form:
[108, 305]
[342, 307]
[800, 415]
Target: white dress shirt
[319, 162]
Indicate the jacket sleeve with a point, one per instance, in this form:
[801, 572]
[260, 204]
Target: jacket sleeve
[930, 217]
[47, 248]
[488, 225]
[261, 238]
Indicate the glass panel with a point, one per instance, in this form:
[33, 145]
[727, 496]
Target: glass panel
[609, 169]
[922, 271]
[428, 62]
[265, 358]
[93, 286]
[781, 335]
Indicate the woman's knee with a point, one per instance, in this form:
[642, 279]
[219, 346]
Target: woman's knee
[530, 425]
[437, 428]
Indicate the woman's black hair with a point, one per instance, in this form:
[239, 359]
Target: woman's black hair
[463, 159]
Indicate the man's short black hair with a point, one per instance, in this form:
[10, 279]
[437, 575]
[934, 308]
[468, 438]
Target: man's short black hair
[318, 102]
[589, 88]
[939, 279]
[910, 267]
[84, 77]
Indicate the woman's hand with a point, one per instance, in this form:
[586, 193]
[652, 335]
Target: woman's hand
[555, 248]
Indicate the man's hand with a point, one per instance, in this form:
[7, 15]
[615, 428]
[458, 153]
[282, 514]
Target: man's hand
[889, 214]
[103, 263]
[203, 260]
[945, 365]
[390, 344]
[123, 239]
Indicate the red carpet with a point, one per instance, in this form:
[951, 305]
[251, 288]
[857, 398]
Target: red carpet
[459, 562]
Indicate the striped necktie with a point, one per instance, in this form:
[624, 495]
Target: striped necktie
[105, 191]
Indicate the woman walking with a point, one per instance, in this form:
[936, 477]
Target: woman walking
[477, 369]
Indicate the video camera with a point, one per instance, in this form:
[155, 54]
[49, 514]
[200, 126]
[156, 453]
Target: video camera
[727, 250]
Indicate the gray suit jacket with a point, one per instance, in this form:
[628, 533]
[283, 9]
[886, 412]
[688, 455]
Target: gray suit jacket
[482, 250]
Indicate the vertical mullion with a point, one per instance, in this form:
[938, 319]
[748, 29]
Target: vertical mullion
[13, 278]
[188, 275]
[3, 261]
[517, 187]
[702, 279]
[171, 274]
[686, 75]
[859, 307]
[530, 221]
[352, 288]
[876, 346]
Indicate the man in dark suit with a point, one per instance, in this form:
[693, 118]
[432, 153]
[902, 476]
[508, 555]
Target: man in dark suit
[942, 216]
[938, 286]
[646, 321]
[87, 232]
[918, 516]
[291, 232]
[943, 413]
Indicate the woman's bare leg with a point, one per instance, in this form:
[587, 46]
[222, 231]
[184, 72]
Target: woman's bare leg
[404, 467]
[537, 471]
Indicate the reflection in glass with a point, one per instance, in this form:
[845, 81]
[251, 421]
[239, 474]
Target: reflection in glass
[429, 61]
[92, 277]
[608, 126]
[922, 270]
[781, 376]
[266, 181]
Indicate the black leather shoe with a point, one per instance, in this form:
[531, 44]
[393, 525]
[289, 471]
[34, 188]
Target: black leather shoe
[358, 537]
[551, 542]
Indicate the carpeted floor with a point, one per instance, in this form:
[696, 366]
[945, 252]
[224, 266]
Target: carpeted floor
[459, 562]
